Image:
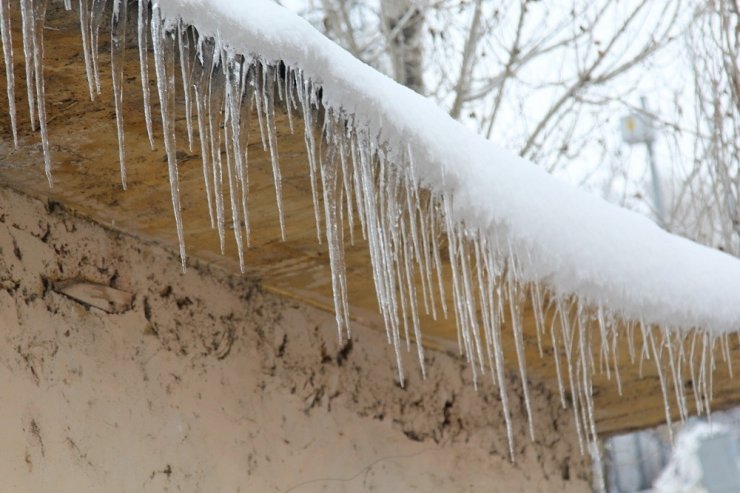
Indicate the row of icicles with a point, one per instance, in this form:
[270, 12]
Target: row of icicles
[359, 187]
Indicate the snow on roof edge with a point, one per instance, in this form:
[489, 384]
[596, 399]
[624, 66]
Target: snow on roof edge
[576, 243]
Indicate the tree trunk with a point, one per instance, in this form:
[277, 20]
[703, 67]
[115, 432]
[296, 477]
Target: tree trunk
[403, 21]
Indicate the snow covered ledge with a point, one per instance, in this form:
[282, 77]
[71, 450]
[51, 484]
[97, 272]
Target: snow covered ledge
[576, 243]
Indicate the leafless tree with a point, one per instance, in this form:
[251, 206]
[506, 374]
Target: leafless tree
[486, 61]
[708, 208]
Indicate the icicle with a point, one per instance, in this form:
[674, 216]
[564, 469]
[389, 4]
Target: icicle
[163, 42]
[340, 143]
[366, 181]
[389, 190]
[726, 353]
[703, 376]
[584, 343]
[84, 6]
[556, 357]
[680, 364]
[588, 391]
[631, 341]
[694, 378]
[28, 52]
[582, 371]
[245, 119]
[712, 368]
[289, 96]
[484, 283]
[539, 317]
[356, 180]
[498, 353]
[118, 49]
[233, 183]
[683, 414]
[310, 146]
[516, 327]
[412, 198]
[409, 270]
[233, 67]
[567, 344]
[183, 46]
[279, 67]
[663, 387]
[214, 105]
[461, 320]
[330, 186]
[604, 346]
[258, 95]
[515, 301]
[425, 248]
[435, 254]
[143, 18]
[96, 16]
[200, 84]
[615, 358]
[7, 38]
[645, 353]
[470, 301]
[386, 254]
[268, 91]
[37, 32]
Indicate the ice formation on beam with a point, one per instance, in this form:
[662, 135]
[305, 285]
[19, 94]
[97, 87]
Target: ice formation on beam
[420, 186]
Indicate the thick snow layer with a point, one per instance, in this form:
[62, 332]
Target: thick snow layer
[574, 242]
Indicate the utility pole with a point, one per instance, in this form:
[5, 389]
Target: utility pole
[637, 128]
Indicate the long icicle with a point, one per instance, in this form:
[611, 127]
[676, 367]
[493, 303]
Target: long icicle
[84, 7]
[117, 57]
[232, 104]
[183, 47]
[7, 39]
[663, 385]
[164, 48]
[96, 16]
[200, 83]
[516, 327]
[212, 60]
[231, 180]
[143, 19]
[37, 30]
[329, 184]
[268, 96]
[27, 30]
[245, 120]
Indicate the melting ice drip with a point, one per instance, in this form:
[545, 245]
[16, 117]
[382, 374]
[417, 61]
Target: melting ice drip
[361, 185]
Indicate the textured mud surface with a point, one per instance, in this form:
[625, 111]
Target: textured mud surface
[206, 383]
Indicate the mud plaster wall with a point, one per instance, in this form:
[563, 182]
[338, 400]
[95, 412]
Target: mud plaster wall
[209, 384]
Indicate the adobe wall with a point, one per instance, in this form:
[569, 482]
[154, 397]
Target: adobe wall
[209, 384]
